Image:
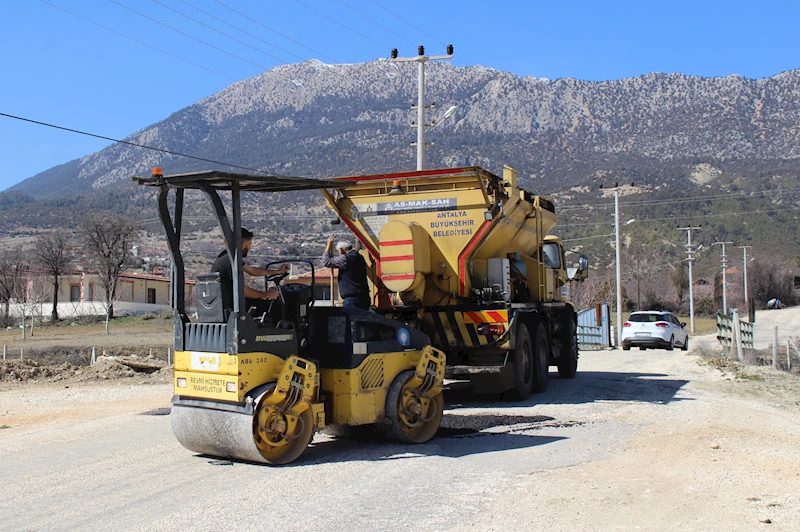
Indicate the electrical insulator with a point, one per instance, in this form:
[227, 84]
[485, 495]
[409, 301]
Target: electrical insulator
[421, 50]
[449, 49]
[394, 53]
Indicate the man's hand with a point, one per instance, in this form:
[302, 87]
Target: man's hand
[284, 268]
[329, 245]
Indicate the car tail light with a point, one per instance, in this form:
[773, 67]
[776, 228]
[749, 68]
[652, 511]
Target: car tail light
[661, 324]
[626, 324]
[492, 329]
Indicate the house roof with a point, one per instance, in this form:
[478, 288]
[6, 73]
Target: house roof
[130, 275]
[319, 273]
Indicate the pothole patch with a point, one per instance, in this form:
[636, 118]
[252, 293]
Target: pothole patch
[157, 412]
[462, 425]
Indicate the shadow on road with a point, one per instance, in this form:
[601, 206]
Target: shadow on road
[586, 387]
[375, 450]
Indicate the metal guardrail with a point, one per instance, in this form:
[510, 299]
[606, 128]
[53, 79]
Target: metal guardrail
[590, 338]
[735, 334]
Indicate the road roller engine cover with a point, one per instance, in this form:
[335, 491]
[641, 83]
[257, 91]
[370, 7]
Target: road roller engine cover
[256, 387]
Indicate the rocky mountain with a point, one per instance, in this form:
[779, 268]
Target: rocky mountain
[317, 120]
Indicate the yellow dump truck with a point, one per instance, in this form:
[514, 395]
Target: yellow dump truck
[465, 256]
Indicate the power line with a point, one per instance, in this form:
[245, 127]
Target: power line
[221, 32]
[682, 200]
[413, 26]
[320, 13]
[169, 152]
[189, 36]
[138, 41]
[241, 30]
[407, 22]
[374, 22]
[274, 31]
[647, 220]
[589, 237]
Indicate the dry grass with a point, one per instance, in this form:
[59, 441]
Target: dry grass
[153, 333]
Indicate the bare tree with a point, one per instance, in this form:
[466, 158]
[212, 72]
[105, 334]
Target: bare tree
[53, 252]
[768, 278]
[679, 275]
[108, 239]
[11, 265]
[30, 292]
[592, 291]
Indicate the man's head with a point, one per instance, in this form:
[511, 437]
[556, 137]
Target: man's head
[247, 241]
[344, 247]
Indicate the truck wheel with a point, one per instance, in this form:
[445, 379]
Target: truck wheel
[568, 366]
[541, 363]
[523, 365]
[408, 423]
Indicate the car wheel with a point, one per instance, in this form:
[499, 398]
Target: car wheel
[671, 344]
[642, 348]
[626, 347]
[685, 346]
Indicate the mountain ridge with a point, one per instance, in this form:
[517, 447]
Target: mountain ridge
[321, 120]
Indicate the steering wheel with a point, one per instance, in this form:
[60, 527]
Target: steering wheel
[276, 277]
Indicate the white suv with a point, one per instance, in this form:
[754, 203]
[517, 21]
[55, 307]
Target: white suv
[655, 329]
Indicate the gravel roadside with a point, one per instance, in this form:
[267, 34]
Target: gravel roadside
[651, 440]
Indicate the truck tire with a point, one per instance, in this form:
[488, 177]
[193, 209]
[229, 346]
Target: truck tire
[568, 365]
[541, 362]
[523, 365]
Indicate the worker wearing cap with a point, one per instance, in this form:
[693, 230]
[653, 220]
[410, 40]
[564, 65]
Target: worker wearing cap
[352, 276]
[223, 266]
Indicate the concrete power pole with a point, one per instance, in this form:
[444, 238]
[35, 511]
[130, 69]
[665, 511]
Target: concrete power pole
[690, 259]
[724, 260]
[420, 107]
[746, 301]
[619, 276]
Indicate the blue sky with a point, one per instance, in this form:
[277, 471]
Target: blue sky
[61, 69]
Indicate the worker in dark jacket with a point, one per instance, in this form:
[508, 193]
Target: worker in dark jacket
[223, 266]
[352, 268]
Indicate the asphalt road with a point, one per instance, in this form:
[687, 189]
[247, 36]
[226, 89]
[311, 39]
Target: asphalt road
[89, 458]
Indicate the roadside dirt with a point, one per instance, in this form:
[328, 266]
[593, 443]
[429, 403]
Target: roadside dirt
[105, 368]
[651, 440]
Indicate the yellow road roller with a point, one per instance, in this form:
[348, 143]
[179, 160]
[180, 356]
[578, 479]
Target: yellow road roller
[253, 383]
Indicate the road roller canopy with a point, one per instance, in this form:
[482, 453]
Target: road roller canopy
[218, 180]
[212, 182]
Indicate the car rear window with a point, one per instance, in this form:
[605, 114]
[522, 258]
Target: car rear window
[652, 318]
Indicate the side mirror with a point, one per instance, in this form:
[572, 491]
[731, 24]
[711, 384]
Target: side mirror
[683, 324]
[583, 267]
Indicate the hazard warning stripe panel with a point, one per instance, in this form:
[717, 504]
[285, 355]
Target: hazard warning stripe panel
[453, 330]
[486, 316]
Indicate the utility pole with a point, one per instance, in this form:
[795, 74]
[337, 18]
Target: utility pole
[746, 301]
[690, 259]
[615, 188]
[638, 291]
[420, 107]
[724, 260]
